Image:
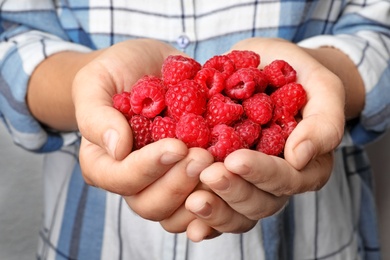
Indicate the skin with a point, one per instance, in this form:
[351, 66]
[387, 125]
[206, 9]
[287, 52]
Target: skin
[183, 188]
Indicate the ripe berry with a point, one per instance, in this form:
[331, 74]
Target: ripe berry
[142, 133]
[148, 97]
[224, 140]
[193, 131]
[177, 68]
[244, 58]
[259, 108]
[291, 97]
[271, 141]
[121, 102]
[222, 110]
[211, 80]
[244, 82]
[185, 97]
[222, 63]
[163, 127]
[279, 73]
[249, 132]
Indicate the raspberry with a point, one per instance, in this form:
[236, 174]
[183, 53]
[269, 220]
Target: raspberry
[287, 123]
[193, 131]
[249, 132]
[244, 59]
[185, 97]
[291, 97]
[141, 131]
[259, 108]
[224, 140]
[211, 80]
[271, 141]
[147, 97]
[222, 110]
[121, 102]
[177, 68]
[163, 127]
[244, 82]
[221, 63]
[279, 73]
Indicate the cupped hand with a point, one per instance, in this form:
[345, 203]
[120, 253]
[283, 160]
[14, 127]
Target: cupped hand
[250, 185]
[154, 180]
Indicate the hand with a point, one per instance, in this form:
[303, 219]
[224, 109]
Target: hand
[250, 185]
[154, 180]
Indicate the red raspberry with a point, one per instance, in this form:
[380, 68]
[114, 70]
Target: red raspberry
[185, 97]
[222, 110]
[147, 97]
[244, 59]
[121, 102]
[163, 127]
[224, 140]
[222, 63]
[177, 68]
[249, 131]
[193, 131]
[287, 123]
[291, 97]
[244, 82]
[211, 80]
[279, 73]
[271, 141]
[141, 131]
[259, 108]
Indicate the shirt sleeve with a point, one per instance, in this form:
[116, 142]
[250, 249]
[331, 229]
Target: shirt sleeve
[363, 33]
[26, 39]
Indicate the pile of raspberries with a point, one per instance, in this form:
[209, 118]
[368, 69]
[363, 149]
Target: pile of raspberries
[224, 105]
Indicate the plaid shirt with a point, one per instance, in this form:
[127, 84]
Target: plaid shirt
[337, 222]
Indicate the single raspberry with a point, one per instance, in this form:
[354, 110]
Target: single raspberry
[222, 110]
[142, 133]
[259, 108]
[271, 141]
[244, 59]
[147, 97]
[224, 140]
[279, 73]
[163, 127]
[121, 102]
[291, 97]
[287, 123]
[177, 68]
[249, 131]
[222, 63]
[193, 131]
[244, 82]
[185, 97]
[211, 80]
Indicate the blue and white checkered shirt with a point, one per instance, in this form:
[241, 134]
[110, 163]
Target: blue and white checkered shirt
[82, 222]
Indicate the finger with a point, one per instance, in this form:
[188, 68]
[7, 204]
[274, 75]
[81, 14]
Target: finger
[161, 198]
[178, 221]
[198, 231]
[214, 212]
[135, 172]
[241, 195]
[276, 176]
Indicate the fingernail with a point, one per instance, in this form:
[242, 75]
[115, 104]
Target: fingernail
[304, 152]
[110, 139]
[221, 185]
[204, 211]
[194, 168]
[170, 157]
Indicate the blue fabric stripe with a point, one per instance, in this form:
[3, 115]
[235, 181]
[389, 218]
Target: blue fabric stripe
[93, 225]
[74, 193]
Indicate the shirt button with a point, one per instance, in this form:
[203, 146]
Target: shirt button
[183, 41]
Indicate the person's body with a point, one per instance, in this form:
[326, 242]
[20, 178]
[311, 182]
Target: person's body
[48, 53]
